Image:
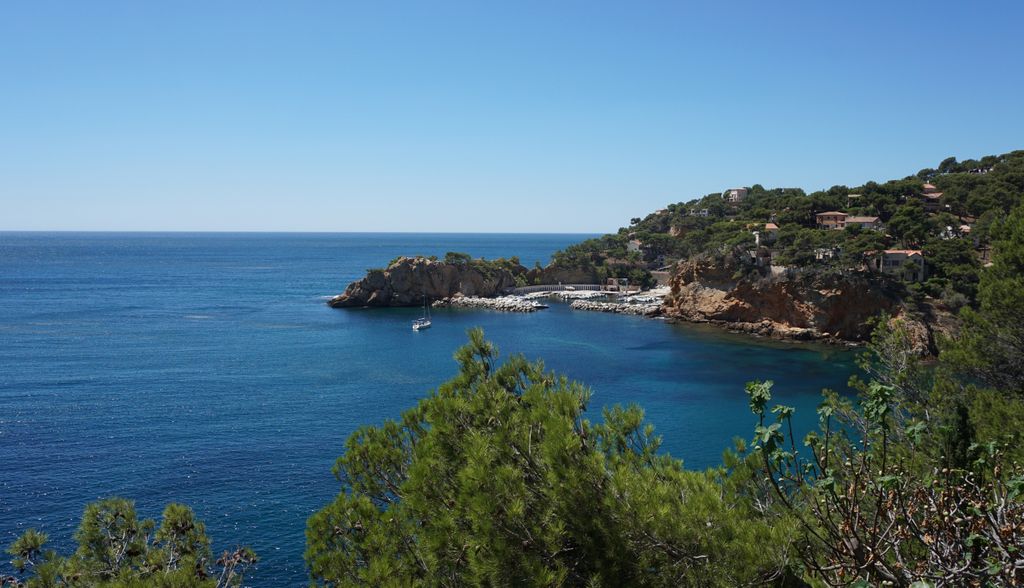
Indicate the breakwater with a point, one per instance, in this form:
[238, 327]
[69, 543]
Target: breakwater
[639, 308]
[502, 303]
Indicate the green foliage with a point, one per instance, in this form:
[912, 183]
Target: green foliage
[991, 344]
[986, 189]
[497, 479]
[911, 225]
[870, 516]
[117, 550]
[456, 258]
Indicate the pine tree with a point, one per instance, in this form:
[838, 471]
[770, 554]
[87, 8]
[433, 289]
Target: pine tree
[498, 479]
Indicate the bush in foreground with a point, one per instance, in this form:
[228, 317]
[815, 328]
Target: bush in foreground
[117, 550]
[497, 479]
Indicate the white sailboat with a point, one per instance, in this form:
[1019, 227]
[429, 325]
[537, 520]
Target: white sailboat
[424, 321]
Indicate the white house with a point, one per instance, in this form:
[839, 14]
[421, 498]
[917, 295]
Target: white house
[865, 222]
[907, 264]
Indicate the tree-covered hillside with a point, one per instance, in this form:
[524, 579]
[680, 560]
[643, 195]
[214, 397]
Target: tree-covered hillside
[946, 213]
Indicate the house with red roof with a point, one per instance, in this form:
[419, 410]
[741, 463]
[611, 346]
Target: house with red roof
[833, 219]
[906, 264]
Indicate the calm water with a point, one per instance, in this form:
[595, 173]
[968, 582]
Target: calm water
[206, 369]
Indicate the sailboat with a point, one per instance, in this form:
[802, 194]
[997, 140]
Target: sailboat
[424, 321]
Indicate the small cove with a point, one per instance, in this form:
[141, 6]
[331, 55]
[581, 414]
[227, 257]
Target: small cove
[207, 369]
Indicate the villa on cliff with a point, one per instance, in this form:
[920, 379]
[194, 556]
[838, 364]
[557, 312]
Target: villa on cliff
[865, 222]
[835, 220]
[931, 197]
[907, 264]
[831, 220]
[735, 195]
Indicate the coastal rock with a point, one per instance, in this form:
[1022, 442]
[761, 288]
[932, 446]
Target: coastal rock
[407, 280]
[803, 305]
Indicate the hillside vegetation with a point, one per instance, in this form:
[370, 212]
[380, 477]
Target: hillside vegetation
[946, 213]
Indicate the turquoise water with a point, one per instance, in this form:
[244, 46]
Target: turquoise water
[206, 369]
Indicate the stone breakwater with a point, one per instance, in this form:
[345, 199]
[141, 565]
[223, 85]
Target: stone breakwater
[648, 309]
[502, 303]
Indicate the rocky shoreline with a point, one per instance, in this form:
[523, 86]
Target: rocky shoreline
[723, 291]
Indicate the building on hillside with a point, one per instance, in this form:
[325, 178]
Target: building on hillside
[703, 212]
[906, 264]
[955, 232]
[766, 235]
[833, 219]
[634, 245]
[985, 255]
[827, 253]
[617, 285]
[735, 195]
[865, 222]
[762, 256]
[929, 189]
[853, 200]
[932, 201]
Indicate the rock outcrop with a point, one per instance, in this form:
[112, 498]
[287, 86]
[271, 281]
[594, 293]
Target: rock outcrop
[409, 279]
[804, 304]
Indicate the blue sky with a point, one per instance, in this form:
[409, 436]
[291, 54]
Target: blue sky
[565, 116]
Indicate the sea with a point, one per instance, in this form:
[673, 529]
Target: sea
[207, 369]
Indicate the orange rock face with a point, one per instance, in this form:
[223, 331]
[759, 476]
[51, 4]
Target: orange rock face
[803, 304]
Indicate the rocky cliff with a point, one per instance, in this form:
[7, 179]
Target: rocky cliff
[800, 305]
[409, 279]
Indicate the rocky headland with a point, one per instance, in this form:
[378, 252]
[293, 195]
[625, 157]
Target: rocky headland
[408, 281]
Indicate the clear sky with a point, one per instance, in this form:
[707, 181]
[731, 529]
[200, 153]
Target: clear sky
[547, 116]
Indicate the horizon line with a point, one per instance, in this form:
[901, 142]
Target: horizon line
[265, 232]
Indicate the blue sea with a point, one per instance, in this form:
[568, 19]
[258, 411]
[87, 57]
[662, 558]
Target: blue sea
[207, 369]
